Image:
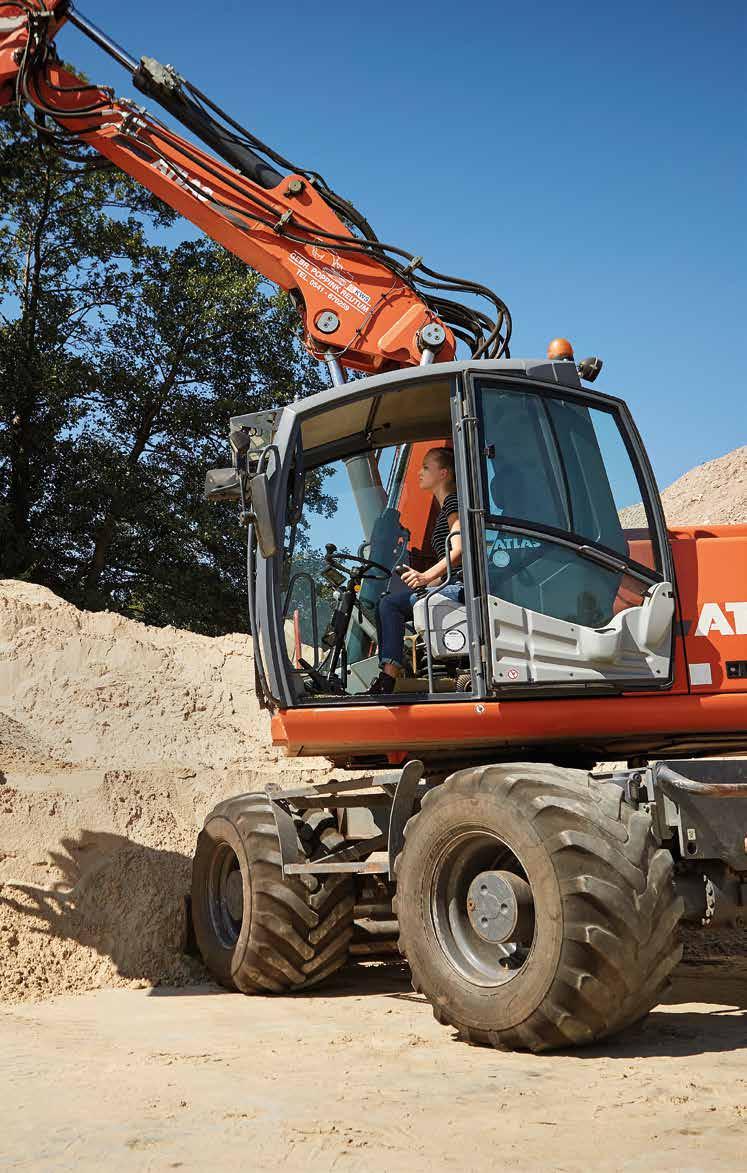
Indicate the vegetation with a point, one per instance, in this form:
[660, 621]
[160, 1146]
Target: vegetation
[124, 350]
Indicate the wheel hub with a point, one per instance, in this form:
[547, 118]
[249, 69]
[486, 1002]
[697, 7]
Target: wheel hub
[500, 907]
[225, 895]
[234, 895]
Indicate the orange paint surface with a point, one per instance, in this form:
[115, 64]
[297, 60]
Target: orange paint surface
[711, 570]
[379, 314]
[413, 728]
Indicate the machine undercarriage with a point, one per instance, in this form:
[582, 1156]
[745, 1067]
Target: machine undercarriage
[538, 906]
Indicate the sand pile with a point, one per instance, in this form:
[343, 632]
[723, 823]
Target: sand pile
[97, 689]
[714, 493]
[115, 741]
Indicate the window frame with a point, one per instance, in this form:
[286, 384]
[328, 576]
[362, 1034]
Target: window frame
[584, 546]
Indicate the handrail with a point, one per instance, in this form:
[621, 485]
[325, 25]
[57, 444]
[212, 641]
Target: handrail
[434, 590]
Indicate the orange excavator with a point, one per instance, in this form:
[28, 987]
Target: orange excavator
[536, 894]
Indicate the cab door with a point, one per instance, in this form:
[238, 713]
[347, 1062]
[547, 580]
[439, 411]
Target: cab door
[573, 562]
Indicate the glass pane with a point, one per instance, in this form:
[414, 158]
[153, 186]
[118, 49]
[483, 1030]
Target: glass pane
[554, 580]
[308, 609]
[346, 505]
[376, 506]
[556, 463]
[592, 504]
[522, 473]
[625, 489]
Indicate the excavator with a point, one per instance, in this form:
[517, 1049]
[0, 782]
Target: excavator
[538, 805]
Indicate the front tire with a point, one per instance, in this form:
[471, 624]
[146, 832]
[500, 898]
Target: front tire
[258, 931]
[596, 935]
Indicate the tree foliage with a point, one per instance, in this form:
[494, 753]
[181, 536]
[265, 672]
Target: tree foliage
[123, 352]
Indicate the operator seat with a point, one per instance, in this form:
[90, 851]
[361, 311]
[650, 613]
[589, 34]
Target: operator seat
[447, 620]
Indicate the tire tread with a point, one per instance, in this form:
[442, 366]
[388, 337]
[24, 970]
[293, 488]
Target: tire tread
[301, 926]
[620, 910]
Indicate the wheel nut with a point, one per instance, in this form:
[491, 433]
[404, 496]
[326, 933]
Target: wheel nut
[471, 905]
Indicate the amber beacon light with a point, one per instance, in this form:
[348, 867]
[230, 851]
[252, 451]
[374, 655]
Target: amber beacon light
[560, 348]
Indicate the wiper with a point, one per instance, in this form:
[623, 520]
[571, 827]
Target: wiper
[601, 556]
[620, 564]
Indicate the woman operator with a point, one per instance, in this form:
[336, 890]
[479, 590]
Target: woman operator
[436, 477]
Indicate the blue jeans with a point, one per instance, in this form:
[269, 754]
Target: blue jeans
[392, 614]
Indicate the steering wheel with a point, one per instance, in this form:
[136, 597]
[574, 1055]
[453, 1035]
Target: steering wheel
[334, 558]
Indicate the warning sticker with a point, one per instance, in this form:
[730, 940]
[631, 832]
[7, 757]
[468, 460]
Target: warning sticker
[339, 289]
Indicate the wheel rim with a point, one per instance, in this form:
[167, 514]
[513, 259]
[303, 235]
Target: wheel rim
[456, 878]
[225, 895]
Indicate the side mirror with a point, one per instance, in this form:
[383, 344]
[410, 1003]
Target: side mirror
[261, 515]
[222, 484]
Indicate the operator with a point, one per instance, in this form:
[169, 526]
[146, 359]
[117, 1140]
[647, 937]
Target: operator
[436, 477]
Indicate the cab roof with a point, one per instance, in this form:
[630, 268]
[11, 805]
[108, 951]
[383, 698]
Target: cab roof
[397, 406]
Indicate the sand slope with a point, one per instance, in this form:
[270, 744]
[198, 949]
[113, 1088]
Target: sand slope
[97, 689]
[714, 493]
[116, 739]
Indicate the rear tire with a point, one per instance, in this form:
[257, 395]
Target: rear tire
[258, 931]
[603, 940]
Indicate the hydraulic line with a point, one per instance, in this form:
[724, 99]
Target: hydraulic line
[247, 156]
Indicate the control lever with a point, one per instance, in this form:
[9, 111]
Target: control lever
[419, 591]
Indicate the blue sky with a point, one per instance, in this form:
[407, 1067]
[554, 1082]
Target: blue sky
[586, 160]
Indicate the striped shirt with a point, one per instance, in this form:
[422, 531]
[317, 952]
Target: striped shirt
[441, 531]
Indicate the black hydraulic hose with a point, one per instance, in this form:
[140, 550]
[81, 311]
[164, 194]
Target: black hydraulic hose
[165, 87]
[159, 83]
[342, 205]
[484, 335]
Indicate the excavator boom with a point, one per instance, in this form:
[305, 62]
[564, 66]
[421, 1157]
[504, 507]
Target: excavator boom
[359, 299]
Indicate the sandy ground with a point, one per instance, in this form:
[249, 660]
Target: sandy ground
[360, 1077]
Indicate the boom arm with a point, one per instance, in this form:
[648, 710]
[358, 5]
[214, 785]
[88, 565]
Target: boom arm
[359, 299]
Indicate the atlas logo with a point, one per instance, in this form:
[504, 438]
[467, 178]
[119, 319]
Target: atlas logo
[190, 183]
[713, 618]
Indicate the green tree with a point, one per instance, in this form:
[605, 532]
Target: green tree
[68, 238]
[121, 361]
[202, 339]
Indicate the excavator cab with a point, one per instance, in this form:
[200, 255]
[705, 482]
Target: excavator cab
[561, 593]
